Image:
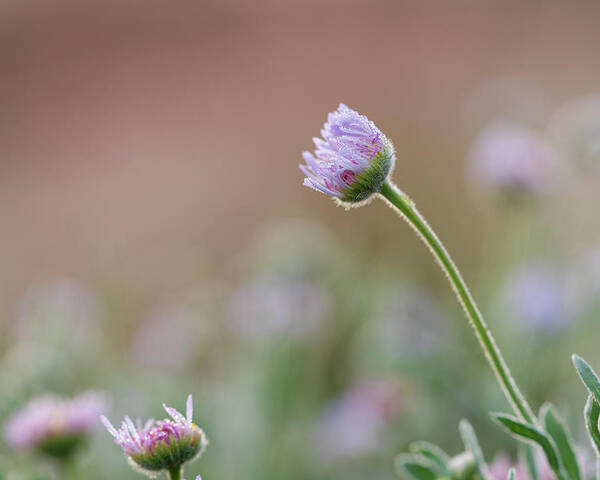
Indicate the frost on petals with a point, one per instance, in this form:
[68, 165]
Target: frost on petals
[162, 445]
[351, 160]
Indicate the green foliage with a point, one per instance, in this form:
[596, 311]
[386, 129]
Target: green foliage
[62, 447]
[469, 438]
[528, 432]
[557, 429]
[435, 454]
[588, 377]
[592, 416]
[415, 467]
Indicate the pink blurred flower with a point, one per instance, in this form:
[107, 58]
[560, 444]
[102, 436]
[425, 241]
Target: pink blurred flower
[51, 420]
[502, 464]
[353, 425]
[536, 296]
[510, 158]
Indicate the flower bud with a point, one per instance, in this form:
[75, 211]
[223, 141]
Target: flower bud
[352, 160]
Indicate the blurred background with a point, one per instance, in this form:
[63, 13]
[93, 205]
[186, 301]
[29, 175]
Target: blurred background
[156, 239]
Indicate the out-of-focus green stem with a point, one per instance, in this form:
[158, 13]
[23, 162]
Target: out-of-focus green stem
[175, 474]
[407, 209]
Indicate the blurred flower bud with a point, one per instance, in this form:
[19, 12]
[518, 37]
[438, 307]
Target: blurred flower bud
[353, 425]
[54, 425]
[512, 160]
[536, 296]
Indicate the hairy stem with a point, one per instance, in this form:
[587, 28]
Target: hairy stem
[408, 211]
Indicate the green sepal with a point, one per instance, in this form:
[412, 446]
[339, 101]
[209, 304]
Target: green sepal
[372, 179]
[471, 443]
[557, 429]
[172, 455]
[511, 474]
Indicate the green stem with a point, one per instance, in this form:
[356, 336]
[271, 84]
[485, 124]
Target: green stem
[175, 474]
[409, 212]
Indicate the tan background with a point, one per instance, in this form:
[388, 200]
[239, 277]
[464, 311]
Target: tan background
[142, 137]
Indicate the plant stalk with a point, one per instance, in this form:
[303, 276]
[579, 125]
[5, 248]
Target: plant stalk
[408, 211]
[175, 474]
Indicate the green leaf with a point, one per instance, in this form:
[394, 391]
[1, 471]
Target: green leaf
[592, 415]
[588, 376]
[414, 467]
[530, 433]
[555, 426]
[527, 454]
[433, 453]
[469, 438]
[511, 474]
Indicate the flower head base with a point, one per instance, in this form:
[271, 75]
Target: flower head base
[352, 160]
[54, 425]
[163, 445]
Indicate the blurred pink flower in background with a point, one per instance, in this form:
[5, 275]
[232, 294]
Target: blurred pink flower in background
[502, 464]
[512, 159]
[53, 418]
[536, 297]
[353, 425]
